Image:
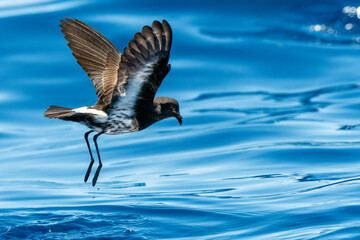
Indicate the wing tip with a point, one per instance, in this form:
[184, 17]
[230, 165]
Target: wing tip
[146, 30]
[67, 20]
[62, 22]
[155, 22]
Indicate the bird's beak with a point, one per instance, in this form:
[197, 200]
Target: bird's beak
[179, 118]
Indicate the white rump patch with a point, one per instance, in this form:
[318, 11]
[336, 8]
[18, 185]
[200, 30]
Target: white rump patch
[90, 111]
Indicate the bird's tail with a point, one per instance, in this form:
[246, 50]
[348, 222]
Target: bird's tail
[58, 112]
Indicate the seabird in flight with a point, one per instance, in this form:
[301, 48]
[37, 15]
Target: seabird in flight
[125, 83]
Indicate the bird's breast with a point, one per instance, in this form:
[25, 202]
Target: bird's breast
[119, 123]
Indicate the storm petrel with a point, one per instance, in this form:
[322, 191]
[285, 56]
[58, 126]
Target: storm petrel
[125, 83]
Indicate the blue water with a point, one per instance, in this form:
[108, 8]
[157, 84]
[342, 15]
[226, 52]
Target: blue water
[269, 147]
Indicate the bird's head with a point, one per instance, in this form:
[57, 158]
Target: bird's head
[166, 107]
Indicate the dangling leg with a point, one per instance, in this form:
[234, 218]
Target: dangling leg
[92, 159]
[100, 164]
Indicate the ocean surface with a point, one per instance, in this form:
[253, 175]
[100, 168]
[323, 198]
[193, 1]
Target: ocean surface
[269, 147]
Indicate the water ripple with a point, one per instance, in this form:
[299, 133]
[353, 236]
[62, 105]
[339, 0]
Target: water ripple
[21, 8]
[269, 147]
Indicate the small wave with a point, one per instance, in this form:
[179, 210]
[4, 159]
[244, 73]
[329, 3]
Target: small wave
[296, 104]
[304, 96]
[333, 24]
[22, 8]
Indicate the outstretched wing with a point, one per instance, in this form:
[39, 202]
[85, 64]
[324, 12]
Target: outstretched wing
[143, 66]
[96, 55]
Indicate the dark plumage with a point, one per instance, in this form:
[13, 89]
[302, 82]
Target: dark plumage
[125, 84]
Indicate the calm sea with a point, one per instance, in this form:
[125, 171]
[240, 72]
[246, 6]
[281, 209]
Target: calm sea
[269, 146]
